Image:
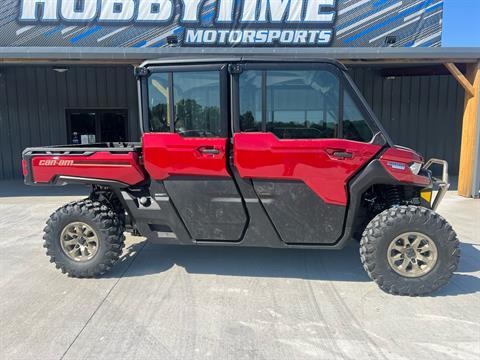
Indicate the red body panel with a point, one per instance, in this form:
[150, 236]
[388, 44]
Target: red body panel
[100, 165]
[264, 156]
[396, 156]
[168, 154]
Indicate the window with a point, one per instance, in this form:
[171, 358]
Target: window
[158, 106]
[251, 101]
[196, 100]
[96, 125]
[299, 104]
[354, 125]
[197, 103]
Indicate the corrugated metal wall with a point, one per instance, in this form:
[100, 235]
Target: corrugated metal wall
[34, 99]
[420, 112]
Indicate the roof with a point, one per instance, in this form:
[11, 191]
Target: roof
[136, 55]
[284, 58]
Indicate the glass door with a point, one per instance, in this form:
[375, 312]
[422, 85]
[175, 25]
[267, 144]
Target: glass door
[96, 125]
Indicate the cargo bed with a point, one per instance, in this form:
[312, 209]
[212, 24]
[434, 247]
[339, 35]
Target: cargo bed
[102, 163]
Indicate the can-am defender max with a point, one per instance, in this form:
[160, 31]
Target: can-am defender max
[252, 152]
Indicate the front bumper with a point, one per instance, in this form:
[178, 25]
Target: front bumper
[442, 184]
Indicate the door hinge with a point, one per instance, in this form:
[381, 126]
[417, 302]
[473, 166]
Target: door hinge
[141, 72]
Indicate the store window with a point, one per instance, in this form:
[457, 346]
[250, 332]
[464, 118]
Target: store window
[94, 126]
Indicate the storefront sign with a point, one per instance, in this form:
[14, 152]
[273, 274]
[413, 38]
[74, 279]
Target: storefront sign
[221, 23]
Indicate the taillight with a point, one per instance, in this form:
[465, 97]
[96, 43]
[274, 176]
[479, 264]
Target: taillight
[24, 168]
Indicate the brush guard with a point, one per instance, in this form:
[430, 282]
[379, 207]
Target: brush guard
[443, 184]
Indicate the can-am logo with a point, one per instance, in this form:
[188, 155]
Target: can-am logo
[55, 162]
[295, 22]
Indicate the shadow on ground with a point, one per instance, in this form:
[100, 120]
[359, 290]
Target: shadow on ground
[151, 258]
[341, 265]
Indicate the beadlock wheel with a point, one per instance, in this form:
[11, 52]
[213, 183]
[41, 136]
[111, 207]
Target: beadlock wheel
[412, 254]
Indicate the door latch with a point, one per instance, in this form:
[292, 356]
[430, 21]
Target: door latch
[208, 151]
[342, 154]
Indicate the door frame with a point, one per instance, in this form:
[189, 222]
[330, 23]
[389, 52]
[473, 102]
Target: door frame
[222, 69]
[99, 112]
[198, 186]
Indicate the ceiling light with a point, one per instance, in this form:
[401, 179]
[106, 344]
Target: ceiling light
[60, 70]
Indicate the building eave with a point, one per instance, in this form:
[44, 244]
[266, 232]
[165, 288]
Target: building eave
[135, 55]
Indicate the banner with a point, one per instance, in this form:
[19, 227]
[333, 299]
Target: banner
[220, 23]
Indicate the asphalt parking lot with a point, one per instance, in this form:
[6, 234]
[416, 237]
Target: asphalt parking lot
[172, 302]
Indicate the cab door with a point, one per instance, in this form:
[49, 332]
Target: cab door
[300, 137]
[186, 147]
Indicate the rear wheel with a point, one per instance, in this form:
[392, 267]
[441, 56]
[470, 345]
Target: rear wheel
[409, 250]
[84, 238]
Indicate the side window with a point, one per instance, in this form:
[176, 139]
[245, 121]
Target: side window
[251, 101]
[158, 113]
[196, 97]
[302, 104]
[355, 126]
[299, 104]
[196, 100]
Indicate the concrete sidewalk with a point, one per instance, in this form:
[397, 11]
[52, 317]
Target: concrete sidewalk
[172, 302]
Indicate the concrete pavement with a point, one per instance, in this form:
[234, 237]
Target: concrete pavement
[172, 302]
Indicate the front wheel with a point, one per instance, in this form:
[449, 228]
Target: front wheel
[409, 250]
[84, 238]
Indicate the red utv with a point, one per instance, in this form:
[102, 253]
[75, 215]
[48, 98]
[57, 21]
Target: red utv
[252, 152]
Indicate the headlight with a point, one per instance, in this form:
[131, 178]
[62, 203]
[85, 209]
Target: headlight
[415, 168]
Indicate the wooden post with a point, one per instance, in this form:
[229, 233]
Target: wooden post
[471, 84]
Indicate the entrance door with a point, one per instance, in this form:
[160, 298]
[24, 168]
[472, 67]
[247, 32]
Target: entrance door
[96, 125]
[186, 149]
[300, 137]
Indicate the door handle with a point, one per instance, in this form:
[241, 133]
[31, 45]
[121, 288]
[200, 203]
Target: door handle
[342, 154]
[208, 151]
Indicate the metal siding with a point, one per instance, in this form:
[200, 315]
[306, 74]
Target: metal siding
[5, 136]
[421, 112]
[33, 100]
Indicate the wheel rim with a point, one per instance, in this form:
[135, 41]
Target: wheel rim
[79, 241]
[412, 254]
